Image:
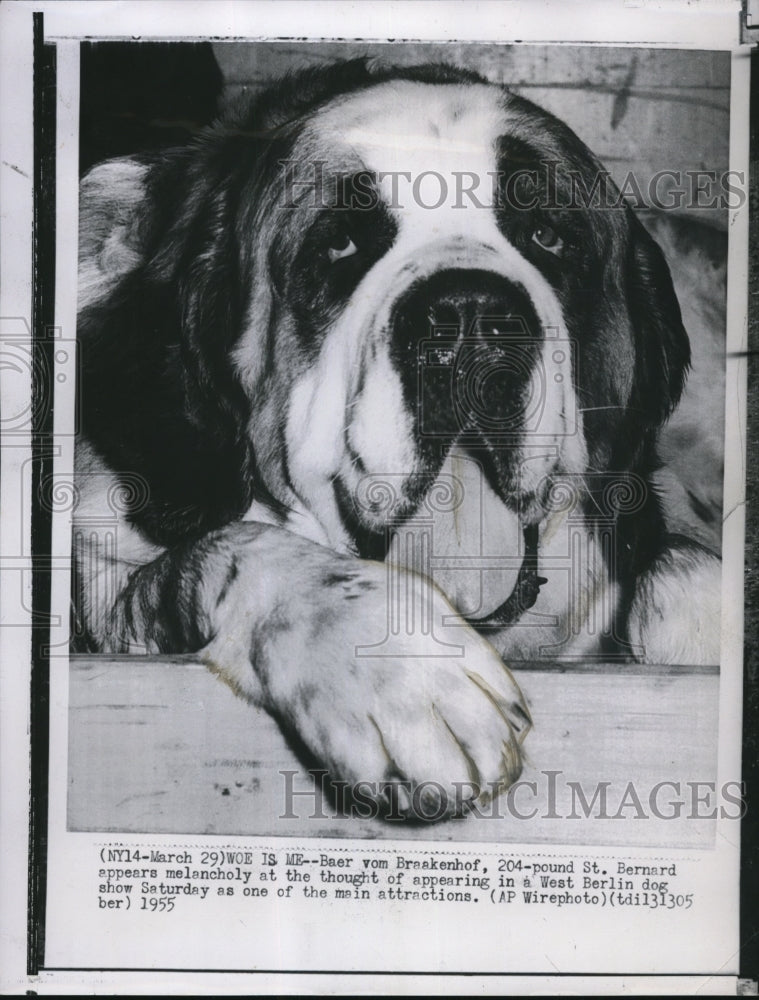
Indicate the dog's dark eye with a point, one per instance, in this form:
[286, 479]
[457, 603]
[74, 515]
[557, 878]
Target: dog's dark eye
[341, 246]
[548, 239]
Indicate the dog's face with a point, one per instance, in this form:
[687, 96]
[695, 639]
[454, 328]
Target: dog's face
[427, 271]
[362, 272]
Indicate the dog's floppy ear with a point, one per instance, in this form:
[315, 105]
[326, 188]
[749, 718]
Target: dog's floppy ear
[159, 310]
[197, 262]
[662, 347]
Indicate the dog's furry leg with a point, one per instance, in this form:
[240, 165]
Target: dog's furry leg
[306, 633]
[675, 612]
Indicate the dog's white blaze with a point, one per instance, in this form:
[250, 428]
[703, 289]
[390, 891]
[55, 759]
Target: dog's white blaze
[422, 140]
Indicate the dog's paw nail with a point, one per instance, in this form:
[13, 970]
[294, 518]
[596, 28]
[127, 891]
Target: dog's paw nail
[396, 796]
[519, 719]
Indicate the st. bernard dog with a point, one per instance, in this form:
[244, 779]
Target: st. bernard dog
[372, 373]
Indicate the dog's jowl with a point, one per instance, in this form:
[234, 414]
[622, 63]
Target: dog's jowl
[373, 373]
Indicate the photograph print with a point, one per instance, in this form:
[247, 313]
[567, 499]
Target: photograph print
[399, 464]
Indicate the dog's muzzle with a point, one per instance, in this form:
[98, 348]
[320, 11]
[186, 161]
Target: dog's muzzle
[467, 342]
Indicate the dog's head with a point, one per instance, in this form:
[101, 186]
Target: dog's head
[362, 270]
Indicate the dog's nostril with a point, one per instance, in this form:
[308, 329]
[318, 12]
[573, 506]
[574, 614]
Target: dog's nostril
[460, 303]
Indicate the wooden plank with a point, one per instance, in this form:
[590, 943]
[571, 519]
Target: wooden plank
[164, 747]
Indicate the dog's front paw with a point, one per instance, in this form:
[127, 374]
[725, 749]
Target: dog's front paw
[421, 735]
[420, 717]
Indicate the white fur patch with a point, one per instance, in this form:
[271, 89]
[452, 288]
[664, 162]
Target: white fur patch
[380, 430]
[107, 548]
[111, 196]
[675, 616]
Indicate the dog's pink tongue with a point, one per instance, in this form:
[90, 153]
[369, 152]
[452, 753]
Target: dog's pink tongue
[465, 538]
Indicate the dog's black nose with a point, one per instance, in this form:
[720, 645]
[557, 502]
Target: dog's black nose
[466, 342]
[464, 302]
